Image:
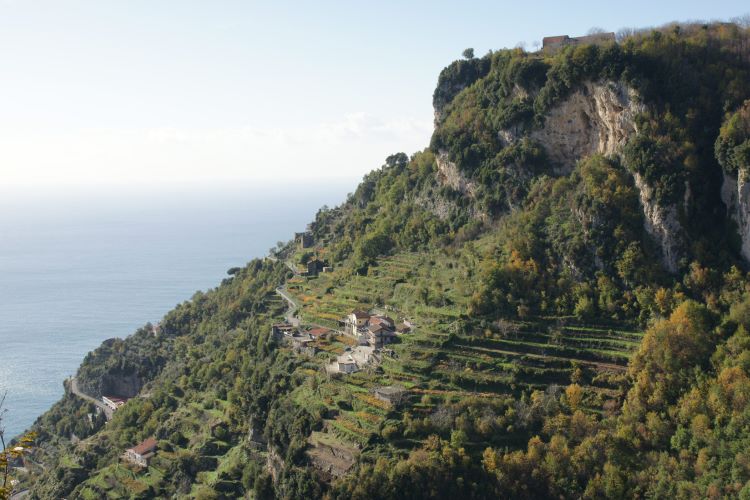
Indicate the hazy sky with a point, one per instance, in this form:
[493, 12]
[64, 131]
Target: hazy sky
[103, 91]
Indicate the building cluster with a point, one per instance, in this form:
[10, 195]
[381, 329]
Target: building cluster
[300, 340]
[553, 43]
[374, 330]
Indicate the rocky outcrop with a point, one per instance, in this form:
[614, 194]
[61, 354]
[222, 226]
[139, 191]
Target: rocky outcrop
[450, 175]
[123, 385]
[735, 193]
[662, 223]
[597, 118]
[274, 464]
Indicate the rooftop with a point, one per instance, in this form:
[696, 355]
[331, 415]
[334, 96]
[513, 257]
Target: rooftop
[115, 399]
[145, 446]
[317, 332]
[390, 390]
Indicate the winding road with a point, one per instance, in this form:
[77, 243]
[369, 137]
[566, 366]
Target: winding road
[75, 390]
[291, 313]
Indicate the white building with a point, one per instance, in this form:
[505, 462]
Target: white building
[356, 321]
[113, 402]
[346, 363]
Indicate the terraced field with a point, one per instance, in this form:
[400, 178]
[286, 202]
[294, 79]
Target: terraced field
[448, 356]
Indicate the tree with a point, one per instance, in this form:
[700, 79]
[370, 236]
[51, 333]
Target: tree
[468, 53]
[9, 455]
[573, 395]
[399, 160]
[507, 328]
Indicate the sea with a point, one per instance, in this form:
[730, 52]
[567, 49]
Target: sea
[78, 266]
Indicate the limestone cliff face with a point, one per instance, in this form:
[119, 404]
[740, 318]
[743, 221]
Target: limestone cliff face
[450, 175]
[662, 224]
[735, 193]
[598, 117]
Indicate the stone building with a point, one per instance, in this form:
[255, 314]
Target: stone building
[553, 43]
[391, 394]
[142, 453]
[304, 240]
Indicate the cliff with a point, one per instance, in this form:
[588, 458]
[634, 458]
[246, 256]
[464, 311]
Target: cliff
[733, 152]
[530, 115]
[735, 193]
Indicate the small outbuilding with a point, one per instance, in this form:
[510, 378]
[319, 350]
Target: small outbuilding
[391, 394]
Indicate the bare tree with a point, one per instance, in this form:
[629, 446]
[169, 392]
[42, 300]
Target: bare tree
[10, 455]
[624, 33]
[506, 328]
[742, 21]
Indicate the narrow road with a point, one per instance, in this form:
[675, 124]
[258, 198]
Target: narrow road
[291, 312]
[75, 390]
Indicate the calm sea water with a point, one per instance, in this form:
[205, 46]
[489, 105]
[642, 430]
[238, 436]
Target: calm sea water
[80, 268]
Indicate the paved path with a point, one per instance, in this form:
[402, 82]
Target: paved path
[75, 390]
[291, 313]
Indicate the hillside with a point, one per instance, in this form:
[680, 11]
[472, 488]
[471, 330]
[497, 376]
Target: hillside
[551, 300]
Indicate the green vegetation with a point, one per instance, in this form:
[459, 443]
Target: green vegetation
[733, 143]
[552, 354]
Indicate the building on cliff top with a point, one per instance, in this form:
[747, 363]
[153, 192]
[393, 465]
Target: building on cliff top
[553, 43]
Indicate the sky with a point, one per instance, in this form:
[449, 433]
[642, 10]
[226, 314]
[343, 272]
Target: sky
[100, 93]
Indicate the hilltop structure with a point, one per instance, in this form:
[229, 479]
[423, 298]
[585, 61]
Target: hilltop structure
[554, 43]
[304, 239]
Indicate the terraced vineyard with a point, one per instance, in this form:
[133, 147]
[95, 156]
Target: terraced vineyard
[447, 356]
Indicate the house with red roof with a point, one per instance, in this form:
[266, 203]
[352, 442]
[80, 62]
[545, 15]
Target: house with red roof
[141, 453]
